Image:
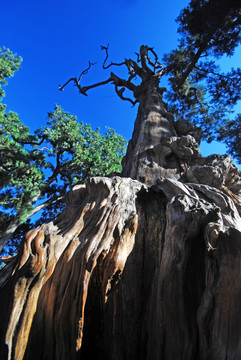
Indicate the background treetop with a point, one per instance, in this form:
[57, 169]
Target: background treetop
[201, 91]
[37, 169]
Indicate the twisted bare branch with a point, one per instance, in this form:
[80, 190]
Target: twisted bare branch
[106, 57]
[84, 72]
[131, 65]
[61, 87]
[77, 81]
[144, 58]
[156, 65]
[149, 68]
[120, 92]
[84, 89]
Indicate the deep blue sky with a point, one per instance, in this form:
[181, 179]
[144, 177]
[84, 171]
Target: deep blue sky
[56, 38]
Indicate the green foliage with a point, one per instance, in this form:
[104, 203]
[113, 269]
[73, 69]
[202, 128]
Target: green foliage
[40, 168]
[200, 91]
[9, 63]
[19, 172]
[76, 152]
[214, 24]
[37, 169]
[231, 135]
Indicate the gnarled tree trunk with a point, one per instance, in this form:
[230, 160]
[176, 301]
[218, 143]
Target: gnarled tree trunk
[141, 266]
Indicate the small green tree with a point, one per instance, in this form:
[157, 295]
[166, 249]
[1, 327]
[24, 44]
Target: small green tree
[37, 169]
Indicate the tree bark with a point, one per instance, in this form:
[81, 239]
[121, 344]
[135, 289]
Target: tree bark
[143, 266]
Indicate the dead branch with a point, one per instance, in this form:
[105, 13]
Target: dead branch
[77, 82]
[106, 57]
[138, 57]
[131, 65]
[85, 71]
[120, 92]
[122, 82]
[84, 89]
[156, 65]
[144, 57]
[61, 87]
[149, 68]
[42, 149]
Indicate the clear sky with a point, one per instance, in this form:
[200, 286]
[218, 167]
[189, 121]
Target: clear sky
[57, 38]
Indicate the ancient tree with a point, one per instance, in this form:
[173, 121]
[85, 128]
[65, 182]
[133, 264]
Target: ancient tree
[140, 265]
[153, 140]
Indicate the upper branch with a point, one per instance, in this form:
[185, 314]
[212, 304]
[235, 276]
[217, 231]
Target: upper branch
[156, 65]
[144, 58]
[133, 70]
[120, 92]
[144, 72]
[204, 45]
[85, 71]
[131, 65]
[226, 76]
[106, 57]
[84, 89]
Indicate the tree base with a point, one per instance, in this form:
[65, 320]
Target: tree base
[128, 272]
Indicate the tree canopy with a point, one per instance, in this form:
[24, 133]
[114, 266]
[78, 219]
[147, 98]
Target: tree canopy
[36, 170]
[201, 91]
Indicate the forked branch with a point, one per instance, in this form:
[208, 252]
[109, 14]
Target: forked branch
[132, 67]
[149, 69]
[85, 71]
[120, 92]
[84, 89]
[77, 82]
[106, 57]
[143, 57]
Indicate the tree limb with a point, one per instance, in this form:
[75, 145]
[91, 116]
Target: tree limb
[202, 47]
[45, 204]
[120, 92]
[83, 90]
[84, 72]
[42, 149]
[212, 72]
[144, 72]
[106, 57]
[27, 142]
[156, 65]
